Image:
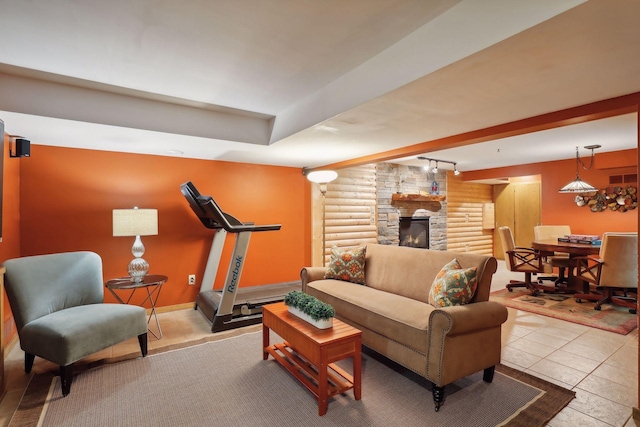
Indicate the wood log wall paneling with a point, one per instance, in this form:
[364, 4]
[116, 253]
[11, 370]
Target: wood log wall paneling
[351, 209]
[465, 202]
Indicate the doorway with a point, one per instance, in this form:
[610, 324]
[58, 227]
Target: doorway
[517, 205]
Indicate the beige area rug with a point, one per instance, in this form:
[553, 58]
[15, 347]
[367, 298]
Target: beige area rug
[226, 383]
[610, 318]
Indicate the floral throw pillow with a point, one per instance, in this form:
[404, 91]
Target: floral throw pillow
[453, 285]
[347, 265]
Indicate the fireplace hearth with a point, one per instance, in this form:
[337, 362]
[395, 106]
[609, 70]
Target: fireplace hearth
[414, 232]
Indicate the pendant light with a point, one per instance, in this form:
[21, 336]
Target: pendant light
[578, 185]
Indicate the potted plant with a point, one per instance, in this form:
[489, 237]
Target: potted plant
[310, 309]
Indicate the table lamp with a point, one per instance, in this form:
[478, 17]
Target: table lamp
[136, 222]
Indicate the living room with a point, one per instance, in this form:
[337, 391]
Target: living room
[61, 198]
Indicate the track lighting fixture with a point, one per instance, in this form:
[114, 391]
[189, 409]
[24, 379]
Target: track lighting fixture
[428, 168]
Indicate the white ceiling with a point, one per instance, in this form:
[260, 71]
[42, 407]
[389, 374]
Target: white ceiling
[309, 83]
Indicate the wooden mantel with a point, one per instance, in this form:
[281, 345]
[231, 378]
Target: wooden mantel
[418, 197]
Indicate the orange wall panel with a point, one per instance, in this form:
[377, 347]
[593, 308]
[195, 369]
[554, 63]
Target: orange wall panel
[67, 197]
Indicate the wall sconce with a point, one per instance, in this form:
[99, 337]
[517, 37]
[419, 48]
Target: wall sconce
[136, 222]
[578, 185]
[19, 147]
[322, 177]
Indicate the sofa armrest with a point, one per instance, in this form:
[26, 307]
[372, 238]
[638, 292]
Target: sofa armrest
[456, 331]
[309, 274]
[466, 318]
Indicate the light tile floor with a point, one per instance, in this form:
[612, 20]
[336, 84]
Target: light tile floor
[602, 367]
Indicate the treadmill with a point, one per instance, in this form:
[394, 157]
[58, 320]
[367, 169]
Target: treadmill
[230, 307]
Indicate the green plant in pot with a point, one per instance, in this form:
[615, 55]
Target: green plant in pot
[309, 305]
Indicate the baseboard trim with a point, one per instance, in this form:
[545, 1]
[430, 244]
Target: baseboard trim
[175, 307]
[636, 414]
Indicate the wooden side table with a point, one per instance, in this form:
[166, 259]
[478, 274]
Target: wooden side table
[153, 285]
[308, 353]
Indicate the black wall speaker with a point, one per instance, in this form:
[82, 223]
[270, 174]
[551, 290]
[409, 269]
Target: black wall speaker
[22, 148]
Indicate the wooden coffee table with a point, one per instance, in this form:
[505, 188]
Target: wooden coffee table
[308, 353]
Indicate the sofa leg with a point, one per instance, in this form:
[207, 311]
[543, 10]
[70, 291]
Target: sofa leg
[66, 376]
[488, 374]
[438, 396]
[28, 361]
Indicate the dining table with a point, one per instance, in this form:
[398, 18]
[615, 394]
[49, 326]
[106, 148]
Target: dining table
[551, 246]
[573, 249]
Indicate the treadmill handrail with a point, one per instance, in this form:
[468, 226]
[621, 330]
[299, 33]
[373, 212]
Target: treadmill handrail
[228, 222]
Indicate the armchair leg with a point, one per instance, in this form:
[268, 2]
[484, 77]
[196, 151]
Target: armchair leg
[66, 376]
[438, 396]
[142, 339]
[488, 374]
[28, 361]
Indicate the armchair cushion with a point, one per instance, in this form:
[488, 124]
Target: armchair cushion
[68, 335]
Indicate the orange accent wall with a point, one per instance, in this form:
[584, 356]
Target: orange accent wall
[67, 196]
[560, 208]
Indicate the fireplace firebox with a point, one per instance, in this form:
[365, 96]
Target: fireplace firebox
[414, 232]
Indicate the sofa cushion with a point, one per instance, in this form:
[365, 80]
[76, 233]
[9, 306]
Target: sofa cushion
[453, 285]
[395, 317]
[347, 265]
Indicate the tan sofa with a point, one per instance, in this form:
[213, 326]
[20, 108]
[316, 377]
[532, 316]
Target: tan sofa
[393, 312]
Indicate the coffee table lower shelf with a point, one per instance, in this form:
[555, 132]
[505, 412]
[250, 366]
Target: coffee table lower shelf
[338, 380]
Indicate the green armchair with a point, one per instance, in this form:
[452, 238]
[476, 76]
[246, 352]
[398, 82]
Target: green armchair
[57, 304]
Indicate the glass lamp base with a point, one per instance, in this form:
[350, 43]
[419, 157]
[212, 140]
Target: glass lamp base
[138, 268]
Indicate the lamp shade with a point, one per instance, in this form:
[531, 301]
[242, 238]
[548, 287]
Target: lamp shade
[577, 186]
[135, 222]
[322, 177]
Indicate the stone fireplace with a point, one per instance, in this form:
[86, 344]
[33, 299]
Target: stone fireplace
[399, 179]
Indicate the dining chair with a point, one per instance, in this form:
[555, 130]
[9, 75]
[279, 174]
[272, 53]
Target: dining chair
[557, 260]
[613, 276]
[57, 304]
[523, 260]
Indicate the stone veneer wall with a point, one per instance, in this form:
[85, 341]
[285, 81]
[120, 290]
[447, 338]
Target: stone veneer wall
[392, 178]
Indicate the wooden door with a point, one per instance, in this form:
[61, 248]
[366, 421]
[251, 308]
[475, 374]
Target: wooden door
[518, 206]
[504, 213]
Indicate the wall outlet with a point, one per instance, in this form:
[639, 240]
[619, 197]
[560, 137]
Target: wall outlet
[192, 279]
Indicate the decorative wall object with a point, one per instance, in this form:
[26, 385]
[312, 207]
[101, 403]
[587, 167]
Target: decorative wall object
[617, 198]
